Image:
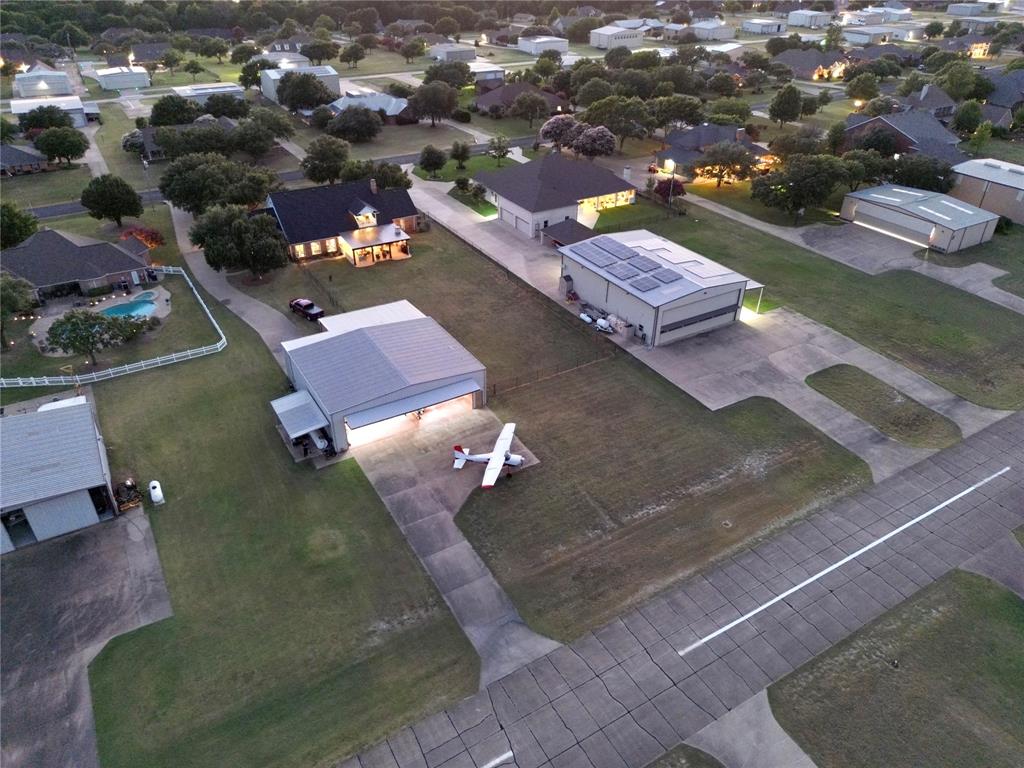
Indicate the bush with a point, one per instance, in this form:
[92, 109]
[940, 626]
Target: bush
[321, 117]
[152, 323]
[102, 290]
[1003, 226]
[461, 115]
[141, 122]
[496, 111]
[999, 132]
[462, 184]
[474, 108]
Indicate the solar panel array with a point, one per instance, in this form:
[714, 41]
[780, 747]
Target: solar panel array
[594, 255]
[619, 250]
[622, 271]
[643, 263]
[666, 275]
[645, 283]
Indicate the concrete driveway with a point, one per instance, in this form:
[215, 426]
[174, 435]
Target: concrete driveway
[62, 600]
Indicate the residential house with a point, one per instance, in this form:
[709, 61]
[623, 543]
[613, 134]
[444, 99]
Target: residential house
[712, 29]
[79, 112]
[813, 63]
[59, 263]
[979, 25]
[685, 146]
[1008, 91]
[486, 76]
[291, 44]
[540, 43]
[933, 100]
[611, 36]
[143, 53]
[673, 31]
[119, 60]
[532, 196]
[41, 80]
[994, 185]
[912, 131]
[356, 221]
[452, 52]
[270, 78]
[973, 46]
[122, 78]
[906, 56]
[15, 161]
[151, 150]
[763, 26]
[392, 110]
[1000, 117]
[505, 96]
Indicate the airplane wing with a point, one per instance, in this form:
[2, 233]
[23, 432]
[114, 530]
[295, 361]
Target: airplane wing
[494, 465]
[458, 464]
[504, 441]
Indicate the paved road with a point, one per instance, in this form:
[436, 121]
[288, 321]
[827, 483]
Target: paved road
[627, 692]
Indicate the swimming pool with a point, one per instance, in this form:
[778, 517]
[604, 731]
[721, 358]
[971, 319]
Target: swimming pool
[137, 308]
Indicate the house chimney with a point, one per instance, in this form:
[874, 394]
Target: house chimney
[373, 186]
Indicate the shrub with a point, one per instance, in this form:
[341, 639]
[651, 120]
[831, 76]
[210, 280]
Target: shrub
[461, 115]
[152, 238]
[1003, 226]
[141, 122]
[102, 290]
[153, 322]
[496, 111]
[474, 108]
[462, 184]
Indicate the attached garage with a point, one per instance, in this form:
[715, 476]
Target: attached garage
[658, 290]
[371, 367]
[928, 219]
[55, 474]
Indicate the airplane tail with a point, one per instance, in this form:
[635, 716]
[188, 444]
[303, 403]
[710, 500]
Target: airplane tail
[460, 457]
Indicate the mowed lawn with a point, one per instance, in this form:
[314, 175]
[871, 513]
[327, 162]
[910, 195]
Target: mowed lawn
[737, 196]
[1004, 251]
[451, 171]
[304, 628]
[127, 165]
[954, 701]
[408, 139]
[891, 411]
[961, 342]
[57, 186]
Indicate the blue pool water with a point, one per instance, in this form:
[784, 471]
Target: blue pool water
[137, 308]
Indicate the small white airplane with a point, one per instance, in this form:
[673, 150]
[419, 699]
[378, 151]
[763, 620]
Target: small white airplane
[495, 460]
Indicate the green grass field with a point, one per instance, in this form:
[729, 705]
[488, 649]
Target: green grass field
[56, 186]
[1003, 251]
[1004, 149]
[737, 196]
[127, 165]
[476, 163]
[891, 411]
[961, 342]
[482, 207]
[409, 139]
[954, 701]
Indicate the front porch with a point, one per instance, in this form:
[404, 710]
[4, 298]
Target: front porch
[362, 247]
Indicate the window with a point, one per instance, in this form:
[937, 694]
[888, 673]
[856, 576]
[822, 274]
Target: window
[332, 245]
[299, 250]
[314, 248]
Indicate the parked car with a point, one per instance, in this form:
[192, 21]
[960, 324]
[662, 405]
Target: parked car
[306, 308]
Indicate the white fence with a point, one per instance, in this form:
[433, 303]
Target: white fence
[142, 365]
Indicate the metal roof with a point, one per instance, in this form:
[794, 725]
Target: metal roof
[277, 74]
[371, 99]
[933, 207]
[996, 171]
[49, 453]
[207, 89]
[412, 403]
[646, 265]
[298, 414]
[24, 106]
[369, 366]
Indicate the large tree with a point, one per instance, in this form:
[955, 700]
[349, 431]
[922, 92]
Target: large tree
[352, 55]
[15, 224]
[65, 144]
[863, 166]
[302, 90]
[172, 59]
[274, 120]
[627, 118]
[173, 109]
[785, 107]
[432, 160]
[805, 141]
[595, 89]
[232, 239]
[111, 197]
[669, 110]
[252, 137]
[388, 175]
[460, 153]
[325, 159]
[921, 172]
[412, 50]
[863, 87]
[226, 105]
[557, 130]
[250, 74]
[530, 106]
[240, 54]
[596, 141]
[83, 332]
[355, 124]
[455, 73]
[320, 51]
[194, 67]
[44, 117]
[16, 296]
[804, 181]
[196, 182]
[7, 131]
[725, 160]
[435, 100]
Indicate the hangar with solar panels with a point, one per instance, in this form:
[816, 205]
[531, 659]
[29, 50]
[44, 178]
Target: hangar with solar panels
[664, 291]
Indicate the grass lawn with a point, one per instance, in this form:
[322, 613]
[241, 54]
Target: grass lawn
[961, 342]
[408, 139]
[891, 411]
[379, 83]
[57, 186]
[954, 701]
[380, 61]
[737, 196]
[834, 112]
[497, 54]
[303, 627]
[482, 207]
[450, 172]
[1002, 251]
[305, 134]
[685, 756]
[127, 165]
[513, 127]
[1003, 149]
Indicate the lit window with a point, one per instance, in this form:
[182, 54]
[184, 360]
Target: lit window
[300, 251]
[314, 248]
[332, 245]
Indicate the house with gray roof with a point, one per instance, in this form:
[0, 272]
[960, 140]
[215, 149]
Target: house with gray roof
[532, 196]
[59, 263]
[371, 366]
[392, 109]
[15, 161]
[912, 131]
[143, 53]
[933, 100]
[55, 475]
[684, 146]
[1008, 89]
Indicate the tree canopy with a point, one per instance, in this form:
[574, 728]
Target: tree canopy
[82, 332]
[65, 144]
[725, 160]
[198, 181]
[232, 239]
[627, 118]
[325, 159]
[435, 100]
[16, 225]
[355, 124]
[111, 197]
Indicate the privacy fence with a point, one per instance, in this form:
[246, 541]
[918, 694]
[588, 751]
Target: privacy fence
[142, 365]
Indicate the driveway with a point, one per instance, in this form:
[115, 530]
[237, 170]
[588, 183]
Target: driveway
[62, 600]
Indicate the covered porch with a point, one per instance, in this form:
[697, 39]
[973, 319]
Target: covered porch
[304, 429]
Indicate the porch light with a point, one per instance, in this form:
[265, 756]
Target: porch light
[858, 103]
[670, 166]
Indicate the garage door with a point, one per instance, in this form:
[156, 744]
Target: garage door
[63, 514]
[413, 403]
[894, 223]
[524, 226]
[508, 217]
[699, 317]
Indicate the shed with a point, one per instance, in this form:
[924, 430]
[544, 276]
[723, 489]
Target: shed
[122, 78]
[809, 18]
[540, 43]
[712, 29]
[42, 81]
[55, 474]
[764, 26]
[269, 79]
[665, 291]
[374, 365]
[994, 185]
[611, 36]
[486, 76]
[927, 219]
[965, 9]
[200, 92]
[452, 52]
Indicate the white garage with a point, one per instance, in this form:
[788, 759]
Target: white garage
[55, 477]
[661, 290]
[927, 219]
[369, 369]
[122, 78]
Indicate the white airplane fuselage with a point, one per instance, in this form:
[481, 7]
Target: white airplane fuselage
[511, 459]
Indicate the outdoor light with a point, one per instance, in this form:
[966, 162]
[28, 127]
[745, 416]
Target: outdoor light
[896, 156]
[858, 103]
[670, 166]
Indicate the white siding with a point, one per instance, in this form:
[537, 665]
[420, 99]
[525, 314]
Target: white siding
[709, 300]
[62, 514]
[528, 222]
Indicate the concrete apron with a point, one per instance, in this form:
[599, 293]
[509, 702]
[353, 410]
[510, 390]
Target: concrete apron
[412, 473]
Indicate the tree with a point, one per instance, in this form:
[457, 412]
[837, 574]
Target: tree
[196, 182]
[498, 148]
[725, 160]
[785, 107]
[173, 109]
[432, 160]
[240, 54]
[82, 332]
[835, 137]
[755, 80]
[967, 117]
[579, 31]
[455, 73]
[16, 296]
[804, 181]
[62, 144]
[214, 48]
[980, 137]
[232, 239]
[545, 67]
[435, 100]
[253, 138]
[596, 141]
[863, 166]
[722, 84]
[226, 105]
[808, 105]
[617, 56]
[921, 172]
[557, 130]
[736, 109]
[447, 26]
[881, 105]
[15, 224]
[412, 50]
[530, 107]
[863, 87]
[833, 38]
[171, 59]
[669, 188]
[111, 197]
[250, 74]
[460, 153]
[669, 110]
[913, 83]
[323, 21]
[781, 72]
[933, 29]
[352, 55]
[878, 139]
[388, 175]
[320, 51]
[7, 131]
[593, 90]
[274, 120]
[806, 141]
[194, 68]
[325, 159]
[355, 124]
[302, 90]
[958, 79]
[71, 35]
[626, 118]
[45, 117]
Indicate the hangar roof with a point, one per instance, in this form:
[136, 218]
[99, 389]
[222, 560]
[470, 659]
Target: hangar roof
[931, 206]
